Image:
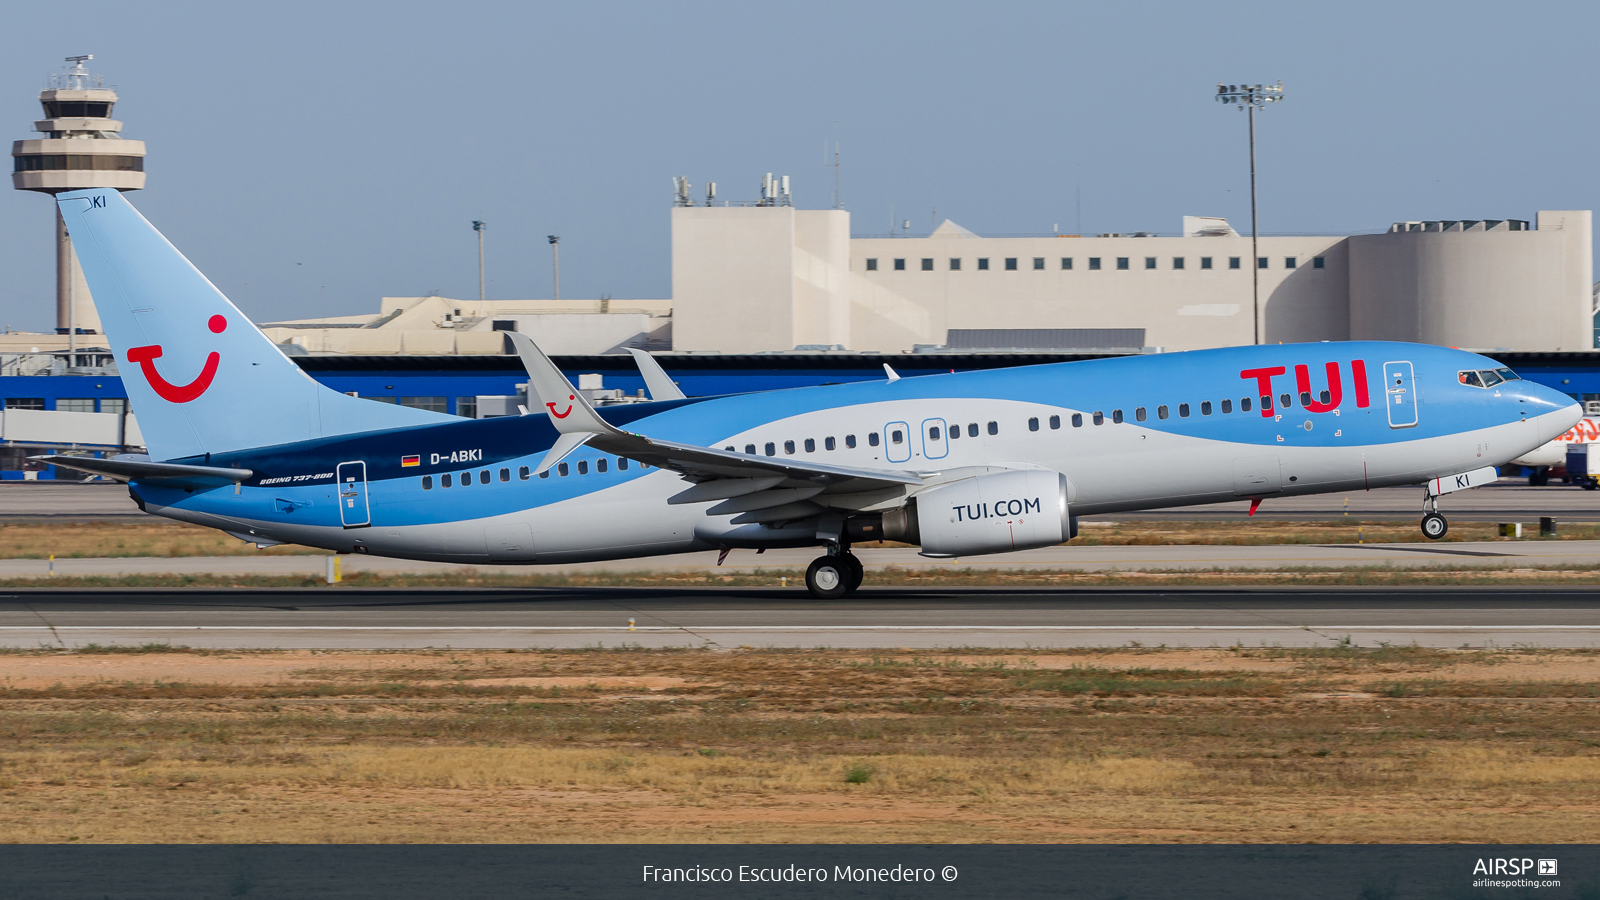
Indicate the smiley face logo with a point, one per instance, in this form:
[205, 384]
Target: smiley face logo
[178, 393]
[552, 406]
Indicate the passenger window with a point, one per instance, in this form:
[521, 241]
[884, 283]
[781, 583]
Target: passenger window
[466, 478]
[622, 464]
[1205, 407]
[772, 449]
[1326, 398]
[1161, 412]
[523, 473]
[872, 439]
[1055, 423]
[1284, 401]
[1266, 403]
[728, 448]
[1244, 404]
[483, 477]
[1183, 410]
[1099, 417]
[994, 427]
[505, 474]
[583, 467]
[972, 429]
[788, 447]
[561, 469]
[811, 445]
[1139, 414]
[750, 449]
[444, 480]
[897, 436]
[1116, 417]
[600, 464]
[1305, 398]
[933, 433]
[827, 443]
[850, 441]
[1227, 406]
[1033, 424]
[955, 432]
[545, 474]
[1077, 420]
[427, 482]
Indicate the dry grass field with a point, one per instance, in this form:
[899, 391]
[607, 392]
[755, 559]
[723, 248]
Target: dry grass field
[1132, 745]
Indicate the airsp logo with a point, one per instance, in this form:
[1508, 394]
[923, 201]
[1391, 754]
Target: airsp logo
[1501, 866]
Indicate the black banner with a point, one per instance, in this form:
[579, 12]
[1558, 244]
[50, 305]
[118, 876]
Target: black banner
[781, 871]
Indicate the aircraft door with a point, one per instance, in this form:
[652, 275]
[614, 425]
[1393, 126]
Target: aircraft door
[897, 442]
[1400, 394]
[934, 444]
[353, 509]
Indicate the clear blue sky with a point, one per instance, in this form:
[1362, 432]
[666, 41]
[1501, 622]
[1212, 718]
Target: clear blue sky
[312, 157]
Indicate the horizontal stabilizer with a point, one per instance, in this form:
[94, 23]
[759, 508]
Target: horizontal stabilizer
[134, 470]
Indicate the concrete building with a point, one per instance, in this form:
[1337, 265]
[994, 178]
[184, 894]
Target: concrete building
[763, 279]
[82, 148]
[441, 326]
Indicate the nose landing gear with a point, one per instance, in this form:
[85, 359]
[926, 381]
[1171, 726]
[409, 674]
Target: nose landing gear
[1434, 525]
[835, 575]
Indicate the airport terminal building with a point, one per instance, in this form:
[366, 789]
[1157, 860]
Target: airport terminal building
[761, 279]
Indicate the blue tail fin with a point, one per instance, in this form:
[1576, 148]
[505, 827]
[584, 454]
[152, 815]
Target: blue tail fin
[201, 377]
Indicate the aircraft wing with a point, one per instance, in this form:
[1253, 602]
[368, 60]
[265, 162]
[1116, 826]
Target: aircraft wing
[130, 470]
[580, 425]
[706, 463]
[655, 378]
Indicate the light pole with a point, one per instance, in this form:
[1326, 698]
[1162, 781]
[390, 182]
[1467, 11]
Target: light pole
[555, 260]
[1248, 97]
[478, 226]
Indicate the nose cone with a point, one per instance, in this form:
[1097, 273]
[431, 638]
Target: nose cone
[1554, 411]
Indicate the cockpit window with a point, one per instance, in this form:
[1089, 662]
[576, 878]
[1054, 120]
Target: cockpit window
[1486, 378]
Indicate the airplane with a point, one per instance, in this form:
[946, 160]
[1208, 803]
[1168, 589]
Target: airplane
[241, 440]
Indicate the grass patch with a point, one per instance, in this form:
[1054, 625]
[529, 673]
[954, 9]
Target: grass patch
[1228, 745]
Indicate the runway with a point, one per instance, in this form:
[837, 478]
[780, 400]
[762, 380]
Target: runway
[731, 618]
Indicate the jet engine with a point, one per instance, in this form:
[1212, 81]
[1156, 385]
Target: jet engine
[992, 513]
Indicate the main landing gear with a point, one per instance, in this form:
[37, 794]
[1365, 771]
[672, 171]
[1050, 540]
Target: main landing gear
[1434, 525]
[835, 575]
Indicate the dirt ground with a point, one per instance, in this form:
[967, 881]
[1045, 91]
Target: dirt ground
[1130, 745]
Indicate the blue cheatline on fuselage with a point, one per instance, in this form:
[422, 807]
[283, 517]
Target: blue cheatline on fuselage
[1124, 384]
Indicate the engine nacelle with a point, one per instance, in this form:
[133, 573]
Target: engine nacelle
[994, 513]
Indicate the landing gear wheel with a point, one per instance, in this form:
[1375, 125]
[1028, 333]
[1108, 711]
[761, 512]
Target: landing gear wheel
[857, 571]
[1434, 526]
[828, 577]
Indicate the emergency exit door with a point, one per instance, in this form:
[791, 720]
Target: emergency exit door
[353, 509]
[1400, 394]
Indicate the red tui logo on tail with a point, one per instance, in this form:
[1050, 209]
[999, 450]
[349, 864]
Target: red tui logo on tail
[178, 393]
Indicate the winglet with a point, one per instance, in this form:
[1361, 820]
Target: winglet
[655, 378]
[569, 415]
[893, 375]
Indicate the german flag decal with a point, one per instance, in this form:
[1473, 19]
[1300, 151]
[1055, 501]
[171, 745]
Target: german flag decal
[410, 461]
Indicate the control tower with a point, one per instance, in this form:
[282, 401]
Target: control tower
[82, 148]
